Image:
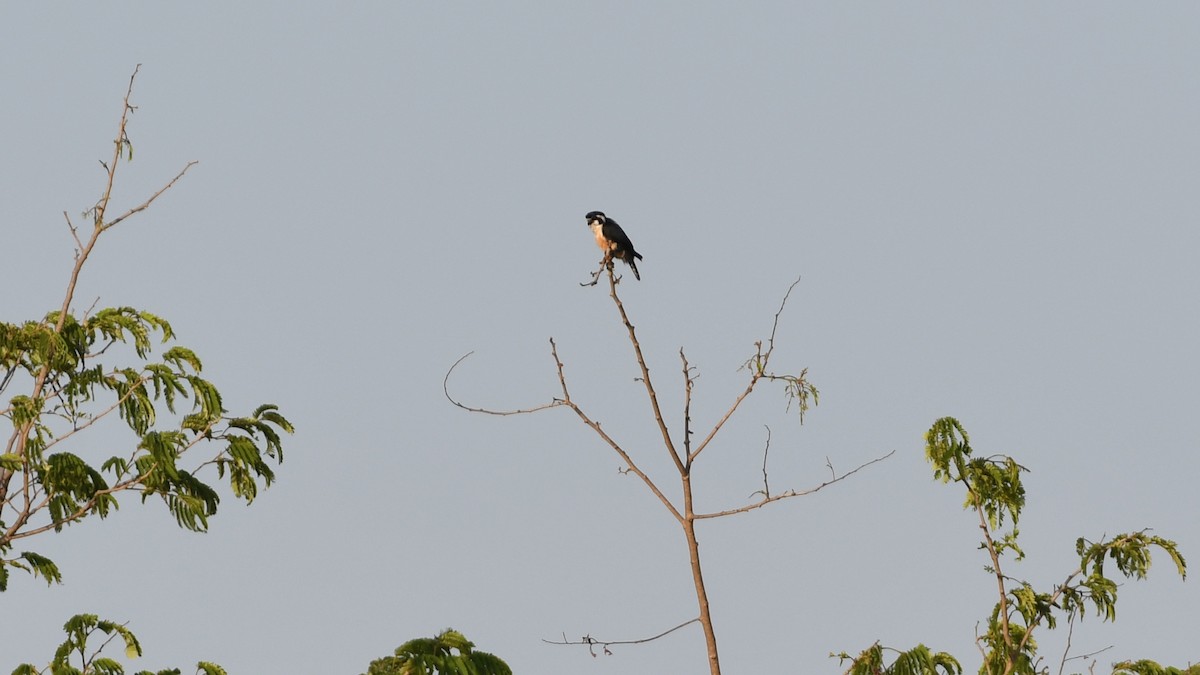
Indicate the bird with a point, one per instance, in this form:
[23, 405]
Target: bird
[613, 241]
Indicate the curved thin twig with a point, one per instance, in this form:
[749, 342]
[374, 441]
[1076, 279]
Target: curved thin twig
[592, 642]
[446, 389]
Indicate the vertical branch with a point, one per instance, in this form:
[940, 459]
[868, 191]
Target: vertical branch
[766, 486]
[693, 544]
[1009, 647]
[687, 408]
[637, 350]
[98, 211]
[689, 515]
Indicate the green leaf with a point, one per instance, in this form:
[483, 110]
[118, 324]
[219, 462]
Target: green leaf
[179, 356]
[42, 566]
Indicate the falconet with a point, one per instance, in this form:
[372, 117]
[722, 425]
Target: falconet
[613, 241]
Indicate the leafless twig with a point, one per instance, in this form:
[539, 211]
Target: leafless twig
[605, 263]
[1070, 631]
[592, 642]
[521, 411]
[766, 491]
[688, 381]
[794, 493]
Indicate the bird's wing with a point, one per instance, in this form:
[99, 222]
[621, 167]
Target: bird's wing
[614, 233]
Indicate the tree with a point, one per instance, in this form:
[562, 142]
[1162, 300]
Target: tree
[994, 491]
[682, 450]
[78, 369]
[450, 653]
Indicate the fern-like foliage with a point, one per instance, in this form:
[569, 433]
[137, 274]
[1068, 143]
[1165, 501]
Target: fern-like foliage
[916, 661]
[76, 375]
[75, 656]
[450, 653]
[994, 490]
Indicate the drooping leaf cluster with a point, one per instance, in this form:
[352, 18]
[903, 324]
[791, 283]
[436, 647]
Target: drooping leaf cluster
[75, 657]
[917, 661]
[1146, 667]
[450, 653]
[67, 364]
[994, 490]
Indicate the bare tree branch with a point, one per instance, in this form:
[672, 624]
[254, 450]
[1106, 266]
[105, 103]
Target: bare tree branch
[688, 381]
[631, 466]
[758, 364]
[637, 350]
[595, 426]
[794, 493]
[606, 262]
[146, 204]
[766, 491]
[521, 411]
[592, 642]
[74, 234]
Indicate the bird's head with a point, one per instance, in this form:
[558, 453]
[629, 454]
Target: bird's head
[596, 216]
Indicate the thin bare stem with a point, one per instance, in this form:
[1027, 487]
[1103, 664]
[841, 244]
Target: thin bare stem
[606, 262]
[146, 204]
[74, 233]
[766, 491]
[605, 644]
[487, 411]
[1081, 656]
[794, 493]
[688, 382]
[637, 350]
[1067, 650]
[92, 419]
[632, 466]
[758, 365]
[565, 401]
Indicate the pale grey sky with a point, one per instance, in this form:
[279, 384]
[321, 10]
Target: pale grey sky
[992, 208]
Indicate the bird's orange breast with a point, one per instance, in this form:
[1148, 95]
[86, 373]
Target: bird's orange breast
[601, 241]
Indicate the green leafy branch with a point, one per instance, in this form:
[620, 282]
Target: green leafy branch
[450, 653]
[917, 661]
[994, 490]
[75, 650]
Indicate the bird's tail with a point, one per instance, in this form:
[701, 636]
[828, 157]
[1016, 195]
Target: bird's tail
[633, 265]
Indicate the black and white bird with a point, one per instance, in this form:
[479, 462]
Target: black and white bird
[613, 241]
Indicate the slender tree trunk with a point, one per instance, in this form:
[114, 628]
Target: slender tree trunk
[689, 531]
